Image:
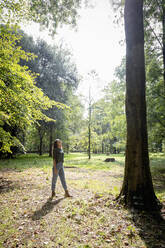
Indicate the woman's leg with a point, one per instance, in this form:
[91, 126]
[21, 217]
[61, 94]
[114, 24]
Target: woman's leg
[62, 177]
[54, 180]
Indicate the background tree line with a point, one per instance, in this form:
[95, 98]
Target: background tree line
[57, 77]
[27, 105]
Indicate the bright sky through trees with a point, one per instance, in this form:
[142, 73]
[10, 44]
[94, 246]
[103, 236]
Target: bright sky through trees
[95, 44]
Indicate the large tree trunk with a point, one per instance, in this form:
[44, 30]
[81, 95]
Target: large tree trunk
[137, 190]
[163, 24]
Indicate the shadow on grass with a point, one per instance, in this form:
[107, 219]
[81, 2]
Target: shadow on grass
[7, 185]
[151, 229]
[46, 208]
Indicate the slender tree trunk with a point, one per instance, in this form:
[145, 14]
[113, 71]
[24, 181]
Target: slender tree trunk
[89, 127]
[89, 141]
[102, 143]
[137, 190]
[67, 147]
[41, 141]
[102, 147]
[50, 140]
[40, 146]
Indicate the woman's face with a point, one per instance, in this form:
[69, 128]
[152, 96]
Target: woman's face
[59, 144]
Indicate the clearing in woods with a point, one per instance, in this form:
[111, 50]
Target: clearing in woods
[91, 218]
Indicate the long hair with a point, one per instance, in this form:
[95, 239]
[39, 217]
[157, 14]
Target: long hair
[54, 146]
[55, 143]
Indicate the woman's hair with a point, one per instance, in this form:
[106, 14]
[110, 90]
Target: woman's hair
[54, 146]
[55, 143]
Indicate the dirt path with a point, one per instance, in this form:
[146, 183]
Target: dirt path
[29, 218]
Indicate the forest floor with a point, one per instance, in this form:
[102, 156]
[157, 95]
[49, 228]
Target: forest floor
[90, 219]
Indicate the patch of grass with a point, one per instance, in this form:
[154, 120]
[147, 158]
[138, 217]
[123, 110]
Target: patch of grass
[28, 218]
[79, 160]
[96, 162]
[23, 162]
[95, 186]
[7, 229]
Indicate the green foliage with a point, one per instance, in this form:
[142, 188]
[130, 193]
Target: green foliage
[58, 78]
[49, 14]
[73, 123]
[108, 124]
[156, 102]
[21, 102]
[108, 118]
[154, 27]
[155, 67]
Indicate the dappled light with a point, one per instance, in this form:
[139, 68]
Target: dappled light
[92, 210]
[82, 124]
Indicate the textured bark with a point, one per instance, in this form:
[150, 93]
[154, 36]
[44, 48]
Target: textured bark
[50, 140]
[163, 23]
[137, 190]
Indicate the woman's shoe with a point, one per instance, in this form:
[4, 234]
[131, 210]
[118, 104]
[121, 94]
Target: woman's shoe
[67, 194]
[53, 194]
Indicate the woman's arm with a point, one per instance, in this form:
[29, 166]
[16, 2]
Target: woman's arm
[54, 160]
[54, 165]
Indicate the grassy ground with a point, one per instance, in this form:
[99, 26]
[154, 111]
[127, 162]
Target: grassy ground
[91, 218]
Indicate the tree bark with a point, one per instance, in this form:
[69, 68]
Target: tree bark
[137, 189]
[40, 146]
[163, 24]
[41, 141]
[50, 140]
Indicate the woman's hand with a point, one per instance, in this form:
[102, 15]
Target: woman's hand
[55, 170]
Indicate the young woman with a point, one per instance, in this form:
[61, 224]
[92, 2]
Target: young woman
[58, 169]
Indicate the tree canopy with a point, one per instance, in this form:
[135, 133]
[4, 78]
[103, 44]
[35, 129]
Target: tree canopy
[21, 101]
[49, 13]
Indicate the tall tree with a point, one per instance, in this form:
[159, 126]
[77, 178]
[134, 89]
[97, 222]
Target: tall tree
[22, 102]
[58, 78]
[155, 102]
[137, 190]
[154, 22]
[92, 77]
[89, 124]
